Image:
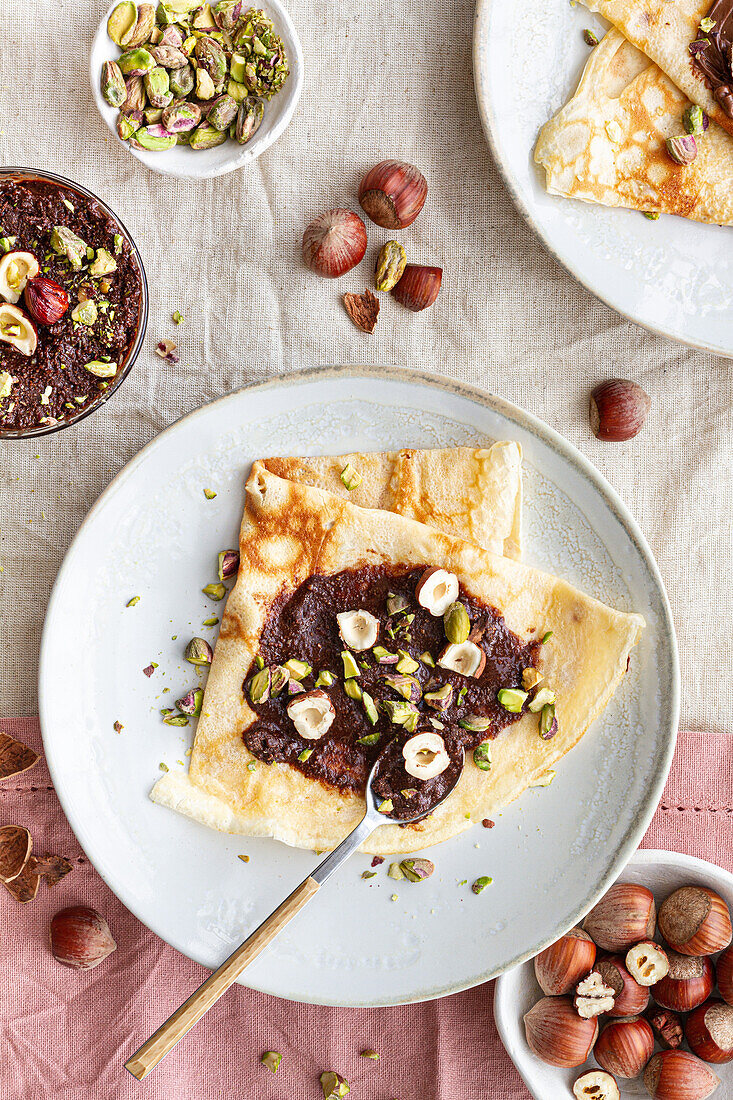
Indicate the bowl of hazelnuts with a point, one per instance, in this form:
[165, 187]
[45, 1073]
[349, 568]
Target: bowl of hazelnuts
[637, 1000]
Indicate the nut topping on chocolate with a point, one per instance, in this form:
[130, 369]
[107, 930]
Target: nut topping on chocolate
[359, 629]
[17, 329]
[425, 755]
[466, 658]
[16, 268]
[437, 590]
[312, 714]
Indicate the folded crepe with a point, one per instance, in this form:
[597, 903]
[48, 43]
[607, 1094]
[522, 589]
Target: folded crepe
[664, 30]
[293, 531]
[607, 145]
[475, 494]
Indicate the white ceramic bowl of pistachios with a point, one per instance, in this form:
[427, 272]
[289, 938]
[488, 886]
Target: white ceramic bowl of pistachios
[517, 991]
[189, 108]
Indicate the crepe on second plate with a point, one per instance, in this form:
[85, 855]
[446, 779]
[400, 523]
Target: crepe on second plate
[292, 531]
[663, 30]
[475, 493]
[609, 148]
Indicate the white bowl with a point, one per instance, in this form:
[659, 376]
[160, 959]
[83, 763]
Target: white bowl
[517, 990]
[189, 163]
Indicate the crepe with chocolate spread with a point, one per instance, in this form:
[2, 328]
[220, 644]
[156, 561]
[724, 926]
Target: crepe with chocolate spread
[306, 556]
[697, 59]
[607, 144]
[475, 494]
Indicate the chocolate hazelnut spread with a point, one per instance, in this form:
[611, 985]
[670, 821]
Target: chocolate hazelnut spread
[302, 625]
[712, 53]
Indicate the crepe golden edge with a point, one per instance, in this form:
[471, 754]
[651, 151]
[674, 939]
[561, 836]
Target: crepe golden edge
[290, 531]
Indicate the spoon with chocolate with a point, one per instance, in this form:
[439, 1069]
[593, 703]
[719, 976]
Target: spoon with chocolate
[409, 780]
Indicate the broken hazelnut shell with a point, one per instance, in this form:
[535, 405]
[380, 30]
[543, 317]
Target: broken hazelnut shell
[15, 757]
[363, 309]
[677, 1075]
[695, 921]
[15, 850]
[560, 966]
[618, 409]
[80, 938]
[625, 1046]
[393, 193]
[25, 887]
[46, 301]
[667, 1026]
[625, 915]
[557, 1035]
[689, 982]
[419, 287]
[334, 242]
[631, 998]
[709, 1032]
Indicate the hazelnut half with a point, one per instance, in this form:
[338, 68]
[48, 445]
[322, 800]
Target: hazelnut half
[675, 1074]
[425, 755]
[17, 329]
[596, 1085]
[647, 963]
[16, 268]
[618, 409]
[695, 921]
[312, 713]
[560, 966]
[593, 997]
[709, 1031]
[437, 589]
[359, 629]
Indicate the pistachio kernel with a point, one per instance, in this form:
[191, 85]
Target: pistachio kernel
[353, 690]
[325, 679]
[271, 1059]
[456, 624]
[133, 601]
[298, 669]
[334, 1086]
[386, 806]
[481, 884]
[370, 1054]
[512, 699]
[390, 266]
[198, 652]
[351, 668]
[209, 494]
[215, 591]
[259, 686]
[351, 477]
[395, 872]
[415, 870]
[482, 756]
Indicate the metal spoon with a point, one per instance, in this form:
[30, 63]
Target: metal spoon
[176, 1026]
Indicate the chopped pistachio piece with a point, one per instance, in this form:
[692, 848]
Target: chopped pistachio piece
[370, 708]
[706, 24]
[368, 874]
[369, 739]
[259, 686]
[209, 494]
[531, 678]
[352, 689]
[350, 477]
[325, 679]
[118, 727]
[546, 636]
[251, 767]
[215, 591]
[461, 696]
[370, 1054]
[544, 696]
[177, 318]
[482, 756]
[395, 871]
[481, 884]
[427, 659]
[271, 1059]
[383, 656]
[163, 767]
[305, 755]
[211, 622]
[244, 859]
[191, 702]
[548, 722]
[351, 668]
[260, 661]
[415, 870]
[176, 720]
[334, 1086]
[512, 699]
[386, 806]
[133, 601]
[475, 723]
[406, 663]
[298, 669]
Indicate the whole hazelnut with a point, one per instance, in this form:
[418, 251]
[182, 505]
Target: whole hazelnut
[709, 1032]
[630, 998]
[695, 921]
[334, 242]
[689, 982]
[557, 1034]
[618, 409]
[625, 1046]
[625, 915]
[724, 970]
[80, 938]
[393, 193]
[419, 287]
[677, 1075]
[560, 966]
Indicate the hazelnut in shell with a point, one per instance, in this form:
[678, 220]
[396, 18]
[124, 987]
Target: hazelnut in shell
[695, 921]
[334, 242]
[625, 1046]
[709, 1032]
[393, 193]
[419, 287]
[625, 915]
[560, 966]
[677, 1075]
[689, 982]
[630, 998]
[557, 1034]
[724, 970]
[596, 1085]
[618, 409]
[80, 938]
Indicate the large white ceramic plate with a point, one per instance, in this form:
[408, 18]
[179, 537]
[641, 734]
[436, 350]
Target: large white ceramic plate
[672, 276]
[154, 534]
[516, 992]
[204, 163]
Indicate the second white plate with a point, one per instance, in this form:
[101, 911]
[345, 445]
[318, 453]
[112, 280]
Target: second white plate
[154, 534]
[672, 275]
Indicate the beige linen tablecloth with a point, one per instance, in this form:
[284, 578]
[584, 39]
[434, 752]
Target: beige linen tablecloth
[382, 80]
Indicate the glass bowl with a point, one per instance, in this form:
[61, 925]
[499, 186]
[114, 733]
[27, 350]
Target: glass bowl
[33, 174]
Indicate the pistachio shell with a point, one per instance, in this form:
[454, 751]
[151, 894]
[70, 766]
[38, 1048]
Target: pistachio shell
[121, 21]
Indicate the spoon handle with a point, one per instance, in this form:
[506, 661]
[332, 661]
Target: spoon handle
[176, 1026]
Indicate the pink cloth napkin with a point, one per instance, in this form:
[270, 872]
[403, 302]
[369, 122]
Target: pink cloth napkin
[67, 1033]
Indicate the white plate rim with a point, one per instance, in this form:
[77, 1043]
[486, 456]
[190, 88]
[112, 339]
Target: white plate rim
[246, 153]
[644, 857]
[483, 100]
[567, 450]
